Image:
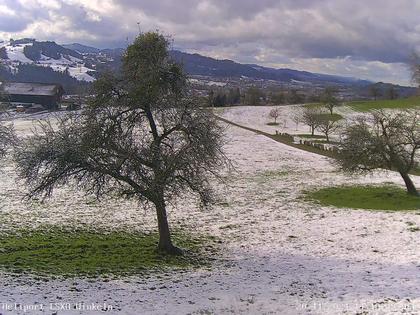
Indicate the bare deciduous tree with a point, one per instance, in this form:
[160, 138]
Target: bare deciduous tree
[385, 140]
[329, 99]
[274, 113]
[327, 126]
[296, 116]
[142, 137]
[310, 116]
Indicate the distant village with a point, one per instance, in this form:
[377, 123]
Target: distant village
[25, 97]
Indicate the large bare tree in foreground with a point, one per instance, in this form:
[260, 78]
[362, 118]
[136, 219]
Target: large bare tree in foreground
[142, 137]
[385, 140]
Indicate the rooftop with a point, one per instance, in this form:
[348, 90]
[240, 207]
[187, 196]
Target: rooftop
[31, 88]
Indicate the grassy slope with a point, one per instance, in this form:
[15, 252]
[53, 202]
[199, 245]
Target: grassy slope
[90, 253]
[309, 136]
[365, 197]
[403, 103]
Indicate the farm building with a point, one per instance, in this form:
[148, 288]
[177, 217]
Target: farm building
[47, 95]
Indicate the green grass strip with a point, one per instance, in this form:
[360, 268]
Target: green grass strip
[386, 197]
[402, 103]
[64, 253]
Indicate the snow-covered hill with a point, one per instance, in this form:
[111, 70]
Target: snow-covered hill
[45, 54]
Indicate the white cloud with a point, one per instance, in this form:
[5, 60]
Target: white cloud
[5, 10]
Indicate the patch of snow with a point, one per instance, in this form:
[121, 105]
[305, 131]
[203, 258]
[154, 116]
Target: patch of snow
[257, 117]
[77, 71]
[214, 83]
[209, 83]
[80, 73]
[51, 61]
[15, 53]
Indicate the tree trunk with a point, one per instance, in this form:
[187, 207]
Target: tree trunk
[312, 131]
[165, 242]
[411, 189]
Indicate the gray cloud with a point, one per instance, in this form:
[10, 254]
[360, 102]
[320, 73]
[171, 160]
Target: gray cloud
[269, 32]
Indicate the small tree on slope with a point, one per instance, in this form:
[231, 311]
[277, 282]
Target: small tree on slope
[385, 140]
[311, 117]
[327, 126]
[274, 113]
[142, 137]
[329, 99]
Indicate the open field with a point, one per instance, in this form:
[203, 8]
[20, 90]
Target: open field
[83, 253]
[365, 106]
[252, 118]
[279, 253]
[403, 103]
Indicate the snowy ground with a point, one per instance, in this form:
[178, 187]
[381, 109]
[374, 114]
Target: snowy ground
[281, 255]
[257, 117]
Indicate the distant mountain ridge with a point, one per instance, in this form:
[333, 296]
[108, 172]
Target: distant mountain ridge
[196, 64]
[85, 63]
[82, 49]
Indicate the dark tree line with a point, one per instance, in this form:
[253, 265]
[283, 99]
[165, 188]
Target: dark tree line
[49, 49]
[253, 96]
[3, 53]
[282, 97]
[223, 97]
[385, 91]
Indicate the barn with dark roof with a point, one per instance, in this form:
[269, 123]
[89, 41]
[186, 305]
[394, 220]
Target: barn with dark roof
[47, 95]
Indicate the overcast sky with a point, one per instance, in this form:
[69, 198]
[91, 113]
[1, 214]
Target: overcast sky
[369, 39]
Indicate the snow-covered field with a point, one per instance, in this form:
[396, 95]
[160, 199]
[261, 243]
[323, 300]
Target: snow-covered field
[257, 117]
[281, 254]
